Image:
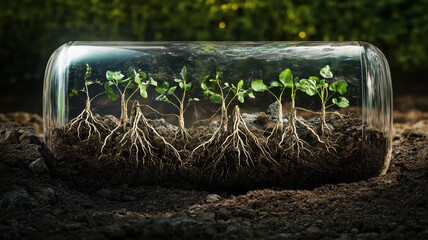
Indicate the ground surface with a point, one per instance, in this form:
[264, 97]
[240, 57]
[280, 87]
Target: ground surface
[392, 206]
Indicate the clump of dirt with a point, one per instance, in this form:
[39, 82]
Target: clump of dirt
[357, 152]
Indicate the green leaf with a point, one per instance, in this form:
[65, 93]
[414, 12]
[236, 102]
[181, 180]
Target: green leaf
[341, 102]
[275, 84]
[216, 98]
[165, 84]
[130, 73]
[205, 78]
[73, 93]
[188, 86]
[240, 84]
[109, 92]
[109, 75]
[307, 86]
[183, 72]
[196, 99]
[317, 80]
[143, 90]
[161, 90]
[286, 78]
[338, 86]
[326, 72]
[259, 86]
[137, 79]
[251, 95]
[118, 76]
[143, 75]
[171, 90]
[153, 82]
[241, 98]
[178, 80]
[203, 86]
[162, 98]
[181, 84]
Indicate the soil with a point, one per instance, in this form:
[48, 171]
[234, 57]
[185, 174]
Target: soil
[352, 158]
[35, 205]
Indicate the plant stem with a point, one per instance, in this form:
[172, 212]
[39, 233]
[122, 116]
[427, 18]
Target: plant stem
[280, 120]
[123, 112]
[224, 118]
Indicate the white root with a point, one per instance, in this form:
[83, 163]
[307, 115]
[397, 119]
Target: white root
[87, 118]
[139, 137]
[238, 141]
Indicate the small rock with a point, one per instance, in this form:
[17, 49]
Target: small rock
[354, 231]
[38, 167]
[104, 193]
[250, 118]
[282, 236]
[11, 136]
[29, 137]
[73, 226]
[128, 198]
[273, 110]
[49, 195]
[212, 198]
[313, 233]
[18, 199]
[114, 231]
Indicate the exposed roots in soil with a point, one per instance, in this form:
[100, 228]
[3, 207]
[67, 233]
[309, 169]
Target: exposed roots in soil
[242, 141]
[140, 136]
[86, 118]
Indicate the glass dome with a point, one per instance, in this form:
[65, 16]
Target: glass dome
[293, 114]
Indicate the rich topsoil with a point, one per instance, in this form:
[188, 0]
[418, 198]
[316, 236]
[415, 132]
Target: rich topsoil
[354, 152]
[35, 205]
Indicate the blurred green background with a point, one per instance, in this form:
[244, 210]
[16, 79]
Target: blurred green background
[32, 29]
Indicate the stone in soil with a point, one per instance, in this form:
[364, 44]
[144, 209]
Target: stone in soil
[18, 199]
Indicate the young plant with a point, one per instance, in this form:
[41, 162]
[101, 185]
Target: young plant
[223, 94]
[259, 86]
[166, 92]
[290, 133]
[133, 78]
[326, 91]
[117, 80]
[86, 118]
[141, 134]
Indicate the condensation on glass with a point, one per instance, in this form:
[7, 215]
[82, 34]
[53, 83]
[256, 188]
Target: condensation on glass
[361, 65]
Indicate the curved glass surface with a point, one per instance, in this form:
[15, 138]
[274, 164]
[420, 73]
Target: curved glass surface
[359, 66]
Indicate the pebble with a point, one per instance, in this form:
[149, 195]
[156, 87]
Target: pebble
[104, 193]
[114, 231]
[213, 198]
[128, 198]
[313, 233]
[18, 199]
[38, 167]
[49, 195]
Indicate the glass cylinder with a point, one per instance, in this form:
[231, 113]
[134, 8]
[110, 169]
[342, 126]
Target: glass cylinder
[254, 114]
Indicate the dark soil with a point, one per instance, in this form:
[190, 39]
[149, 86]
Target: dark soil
[36, 206]
[359, 153]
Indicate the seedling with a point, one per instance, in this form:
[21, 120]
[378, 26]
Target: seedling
[259, 86]
[290, 133]
[86, 117]
[314, 85]
[236, 138]
[223, 94]
[134, 132]
[166, 92]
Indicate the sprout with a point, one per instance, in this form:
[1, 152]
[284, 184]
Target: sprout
[166, 92]
[86, 117]
[314, 85]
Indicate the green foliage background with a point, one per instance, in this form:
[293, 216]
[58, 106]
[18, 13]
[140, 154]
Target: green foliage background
[30, 30]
